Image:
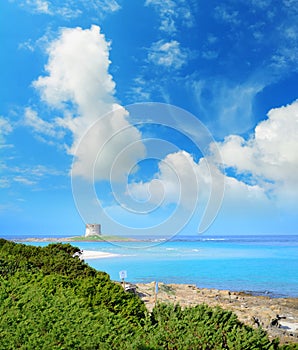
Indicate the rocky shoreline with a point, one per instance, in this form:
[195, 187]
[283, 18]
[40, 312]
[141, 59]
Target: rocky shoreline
[278, 316]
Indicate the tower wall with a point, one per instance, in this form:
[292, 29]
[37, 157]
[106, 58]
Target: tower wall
[92, 230]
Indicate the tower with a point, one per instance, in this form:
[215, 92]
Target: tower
[92, 230]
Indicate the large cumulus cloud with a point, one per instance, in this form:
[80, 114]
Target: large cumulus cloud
[78, 83]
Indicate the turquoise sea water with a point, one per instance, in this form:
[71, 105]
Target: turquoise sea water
[261, 265]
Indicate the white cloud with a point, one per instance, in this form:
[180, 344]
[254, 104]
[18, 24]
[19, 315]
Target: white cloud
[5, 126]
[228, 106]
[27, 45]
[270, 156]
[225, 14]
[24, 181]
[210, 54]
[5, 129]
[171, 12]
[36, 6]
[42, 6]
[106, 5]
[184, 181]
[40, 171]
[260, 182]
[33, 175]
[285, 58]
[262, 4]
[67, 11]
[177, 178]
[138, 92]
[78, 71]
[188, 185]
[40, 126]
[168, 54]
[79, 84]
[4, 183]
[69, 8]
[9, 208]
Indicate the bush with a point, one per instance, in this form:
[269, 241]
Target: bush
[52, 300]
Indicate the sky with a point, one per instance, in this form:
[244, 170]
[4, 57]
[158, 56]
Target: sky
[149, 117]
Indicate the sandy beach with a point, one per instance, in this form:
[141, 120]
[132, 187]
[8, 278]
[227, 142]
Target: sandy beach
[95, 254]
[252, 310]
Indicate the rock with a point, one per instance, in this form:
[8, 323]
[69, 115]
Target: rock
[252, 310]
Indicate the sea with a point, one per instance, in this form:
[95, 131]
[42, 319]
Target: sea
[260, 265]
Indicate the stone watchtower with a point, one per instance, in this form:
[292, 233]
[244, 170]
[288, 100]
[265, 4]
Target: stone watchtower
[92, 230]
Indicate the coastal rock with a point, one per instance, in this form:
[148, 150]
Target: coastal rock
[252, 310]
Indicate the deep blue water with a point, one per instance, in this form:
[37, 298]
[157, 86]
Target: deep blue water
[259, 264]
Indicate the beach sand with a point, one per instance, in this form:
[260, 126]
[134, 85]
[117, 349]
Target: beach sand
[95, 254]
[251, 310]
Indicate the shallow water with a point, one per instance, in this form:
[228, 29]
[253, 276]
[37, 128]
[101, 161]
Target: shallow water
[259, 264]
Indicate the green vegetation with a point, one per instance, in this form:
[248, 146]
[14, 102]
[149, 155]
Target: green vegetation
[52, 300]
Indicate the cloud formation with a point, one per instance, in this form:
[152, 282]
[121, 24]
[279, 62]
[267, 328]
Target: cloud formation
[171, 12]
[184, 182]
[40, 126]
[5, 126]
[228, 106]
[36, 176]
[78, 84]
[5, 129]
[260, 173]
[187, 185]
[69, 8]
[269, 157]
[177, 176]
[168, 54]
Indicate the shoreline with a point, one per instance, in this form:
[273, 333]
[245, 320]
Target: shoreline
[252, 310]
[79, 239]
[278, 316]
[95, 254]
[92, 255]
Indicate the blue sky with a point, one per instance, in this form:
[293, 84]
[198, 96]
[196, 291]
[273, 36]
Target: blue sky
[149, 116]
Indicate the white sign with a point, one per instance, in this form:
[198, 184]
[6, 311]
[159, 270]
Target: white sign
[123, 274]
